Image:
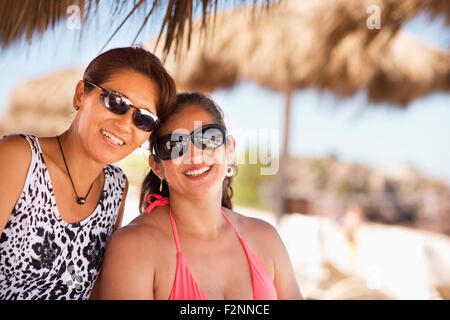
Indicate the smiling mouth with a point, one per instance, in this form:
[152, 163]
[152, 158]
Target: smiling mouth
[112, 138]
[194, 173]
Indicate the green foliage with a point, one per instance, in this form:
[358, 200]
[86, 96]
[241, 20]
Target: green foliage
[251, 188]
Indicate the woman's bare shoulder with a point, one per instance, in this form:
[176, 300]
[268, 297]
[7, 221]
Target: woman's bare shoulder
[261, 236]
[15, 147]
[131, 249]
[144, 230]
[256, 228]
[130, 245]
[15, 159]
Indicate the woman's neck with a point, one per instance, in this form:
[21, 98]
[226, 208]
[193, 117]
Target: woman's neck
[84, 170]
[199, 216]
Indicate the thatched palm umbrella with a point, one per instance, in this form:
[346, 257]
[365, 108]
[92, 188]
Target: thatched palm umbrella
[42, 107]
[289, 48]
[29, 19]
[322, 44]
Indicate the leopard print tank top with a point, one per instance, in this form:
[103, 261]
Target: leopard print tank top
[44, 257]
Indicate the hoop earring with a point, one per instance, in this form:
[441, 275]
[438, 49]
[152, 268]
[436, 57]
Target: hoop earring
[160, 186]
[230, 171]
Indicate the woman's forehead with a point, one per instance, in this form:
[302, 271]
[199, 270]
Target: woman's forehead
[136, 87]
[187, 120]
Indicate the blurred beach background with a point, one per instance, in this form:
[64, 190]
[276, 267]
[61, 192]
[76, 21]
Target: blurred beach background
[357, 119]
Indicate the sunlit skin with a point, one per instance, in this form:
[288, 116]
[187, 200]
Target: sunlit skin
[85, 148]
[84, 145]
[140, 260]
[173, 171]
[93, 116]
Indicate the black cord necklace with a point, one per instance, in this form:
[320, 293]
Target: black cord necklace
[80, 200]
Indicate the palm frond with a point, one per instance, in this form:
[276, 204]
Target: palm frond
[29, 19]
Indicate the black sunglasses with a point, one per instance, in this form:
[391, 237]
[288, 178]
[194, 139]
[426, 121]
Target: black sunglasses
[172, 146]
[118, 103]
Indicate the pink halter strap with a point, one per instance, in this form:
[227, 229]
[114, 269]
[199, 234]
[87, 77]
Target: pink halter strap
[159, 202]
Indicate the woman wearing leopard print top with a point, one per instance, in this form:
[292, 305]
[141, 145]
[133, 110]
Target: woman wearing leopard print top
[59, 198]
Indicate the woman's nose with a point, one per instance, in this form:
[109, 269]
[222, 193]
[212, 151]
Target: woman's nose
[124, 121]
[195, 155]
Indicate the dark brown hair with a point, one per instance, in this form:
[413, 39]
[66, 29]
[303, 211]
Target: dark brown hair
[151, 182]
[137, 59]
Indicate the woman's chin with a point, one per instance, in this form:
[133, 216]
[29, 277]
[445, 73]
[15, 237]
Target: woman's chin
[201, 186]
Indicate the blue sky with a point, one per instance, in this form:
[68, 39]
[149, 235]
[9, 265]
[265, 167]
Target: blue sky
[378, 136]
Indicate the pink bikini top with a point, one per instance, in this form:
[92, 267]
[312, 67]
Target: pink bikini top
[185, 287]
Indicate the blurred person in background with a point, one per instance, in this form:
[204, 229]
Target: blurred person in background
[189, 243]
[60, 199]
[350, 222]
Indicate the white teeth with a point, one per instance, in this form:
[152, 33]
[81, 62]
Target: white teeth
[112, 138]
[197, 172]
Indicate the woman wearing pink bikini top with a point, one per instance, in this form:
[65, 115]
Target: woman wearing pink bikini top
[188, 243]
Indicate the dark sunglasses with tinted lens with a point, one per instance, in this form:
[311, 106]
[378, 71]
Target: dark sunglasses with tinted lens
[118, 103]
[172, 146]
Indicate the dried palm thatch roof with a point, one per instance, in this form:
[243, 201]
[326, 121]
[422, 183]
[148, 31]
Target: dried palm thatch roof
[295, 46]
[42, 106]
[322, 44]
[29, 19]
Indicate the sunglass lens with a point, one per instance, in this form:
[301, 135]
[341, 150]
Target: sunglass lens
[144, 122]
[209, 138]
[172, 146]
[114, 103]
